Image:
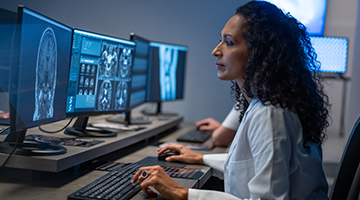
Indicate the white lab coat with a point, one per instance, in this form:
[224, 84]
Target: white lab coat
[232, 119]
[267, 160]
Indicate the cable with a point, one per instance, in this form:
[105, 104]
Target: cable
[45, 131]
[12, 152]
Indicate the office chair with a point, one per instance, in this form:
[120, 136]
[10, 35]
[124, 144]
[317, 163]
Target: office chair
[347, 180]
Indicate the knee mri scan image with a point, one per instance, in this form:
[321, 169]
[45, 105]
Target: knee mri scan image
[46, 80]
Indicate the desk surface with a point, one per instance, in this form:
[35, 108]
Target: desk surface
[76, 155]
[58, 186]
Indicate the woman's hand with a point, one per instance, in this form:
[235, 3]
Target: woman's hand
[207, 124]
[158, 179]
[186, 155]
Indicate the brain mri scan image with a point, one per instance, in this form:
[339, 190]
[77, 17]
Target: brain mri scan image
[104, 97]
[125, 63]
[121, 95]
[46, 69]
[108, 60]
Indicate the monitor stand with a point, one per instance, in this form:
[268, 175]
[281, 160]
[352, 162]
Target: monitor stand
[128, 119]
[80, 129]
[14, 143]
[158, 112]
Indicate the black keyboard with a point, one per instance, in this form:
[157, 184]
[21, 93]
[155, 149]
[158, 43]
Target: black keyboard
[113, 185]
[174, 172]
[197, 136]
[116, 184]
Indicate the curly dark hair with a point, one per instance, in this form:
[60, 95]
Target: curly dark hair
[282, 68]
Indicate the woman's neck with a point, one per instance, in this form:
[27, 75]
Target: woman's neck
[240, 84]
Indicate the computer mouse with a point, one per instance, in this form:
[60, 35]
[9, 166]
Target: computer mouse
[167, 154]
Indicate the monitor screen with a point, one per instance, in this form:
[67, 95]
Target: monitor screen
[40, 71]
[166, 72]
[38, 80]
[140, 70]
[7, 26]
[332, 53]
[100, 74]
[309, 12]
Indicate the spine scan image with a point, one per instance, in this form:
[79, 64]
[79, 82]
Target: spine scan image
[46, 69]
[168, 64]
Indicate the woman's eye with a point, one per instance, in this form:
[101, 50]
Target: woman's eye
[228, 42]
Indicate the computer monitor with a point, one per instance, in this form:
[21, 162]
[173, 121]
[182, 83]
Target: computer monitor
[138, 84]
[311, 13]
[7, 26]
[99, 80]
[332, 53]
[38, 80]
[167, 63]
[140, 70]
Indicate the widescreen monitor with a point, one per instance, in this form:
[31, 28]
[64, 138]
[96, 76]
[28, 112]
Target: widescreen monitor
[309, 12]
[100, 78]
[332, 53]
[39, 74]
[166, 74]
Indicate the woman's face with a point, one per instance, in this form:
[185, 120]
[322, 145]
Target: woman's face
[231, 52]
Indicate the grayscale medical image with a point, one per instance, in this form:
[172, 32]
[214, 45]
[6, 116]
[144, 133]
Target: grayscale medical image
[168, 57]
[104, 97]
[46, 80]
[125, 63]
[121, 95]
[108, 60]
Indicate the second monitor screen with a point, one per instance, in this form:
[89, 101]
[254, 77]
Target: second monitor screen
[167, 72]
[100, 73]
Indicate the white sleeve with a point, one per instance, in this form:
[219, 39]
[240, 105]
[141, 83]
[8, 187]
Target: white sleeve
[210, 194]
[270, 142]
[216, 161]
[232, 119]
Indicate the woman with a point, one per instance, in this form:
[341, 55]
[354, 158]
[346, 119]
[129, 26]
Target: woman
[276, 152]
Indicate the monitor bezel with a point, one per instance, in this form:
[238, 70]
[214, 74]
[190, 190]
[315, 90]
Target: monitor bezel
[96, 113]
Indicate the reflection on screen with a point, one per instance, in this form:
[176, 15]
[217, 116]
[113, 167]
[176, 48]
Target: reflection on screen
[167, 72]
[44, 58]
[309, 12]
[332, 53]
[100, 73]
[7, 26]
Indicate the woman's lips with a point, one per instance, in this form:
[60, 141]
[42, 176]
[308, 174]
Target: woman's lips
[219, 65]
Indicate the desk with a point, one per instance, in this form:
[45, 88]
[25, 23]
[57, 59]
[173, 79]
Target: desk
[78, 155]
[57, 186]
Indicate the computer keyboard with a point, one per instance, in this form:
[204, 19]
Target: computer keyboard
[197, 136]
[116, 183]
[113, 185]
